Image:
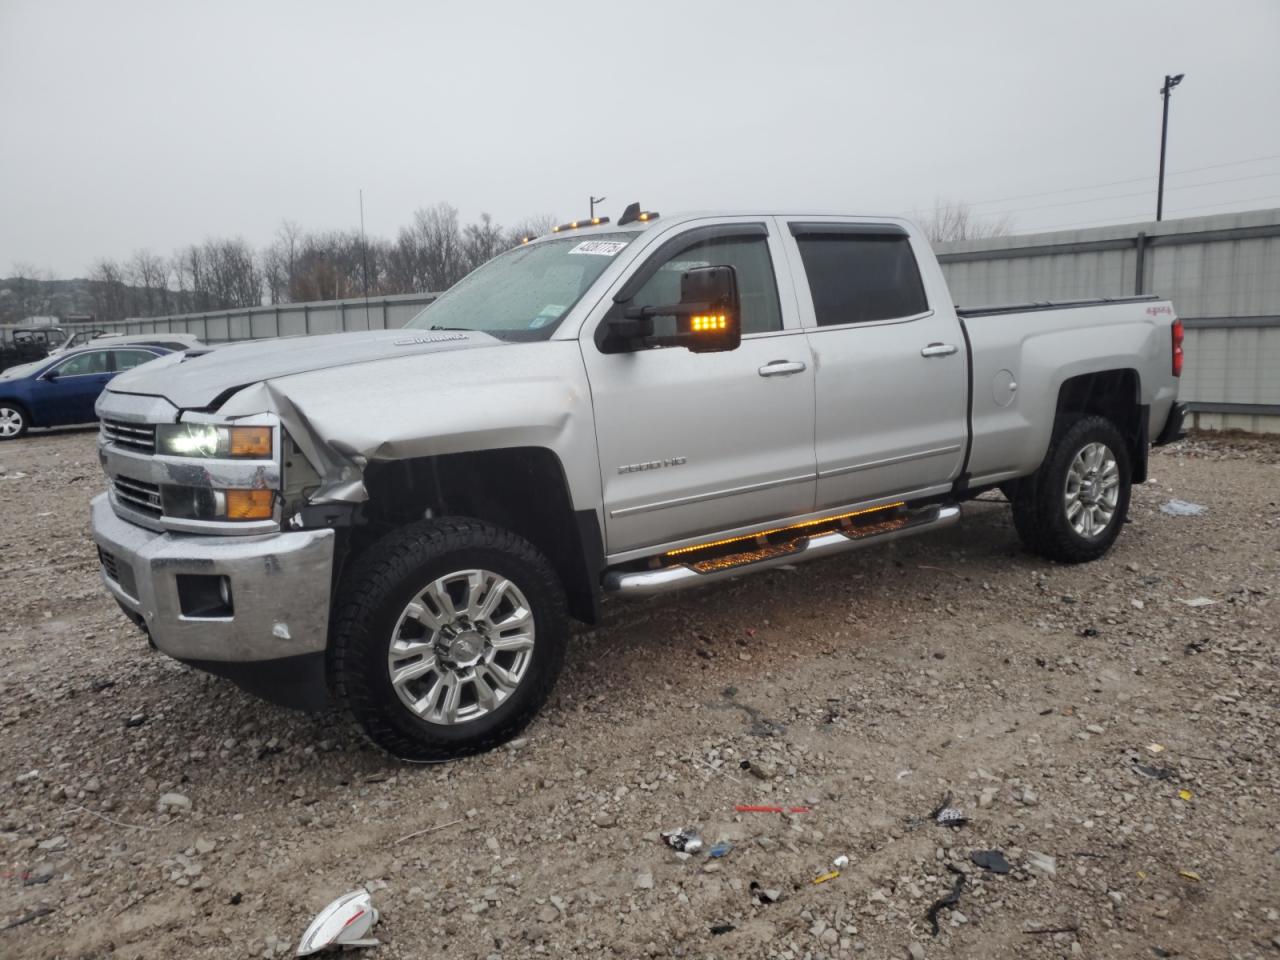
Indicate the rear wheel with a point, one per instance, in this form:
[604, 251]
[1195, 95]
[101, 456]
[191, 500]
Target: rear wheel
[1073, 507]
[448, 637]
[13, 420]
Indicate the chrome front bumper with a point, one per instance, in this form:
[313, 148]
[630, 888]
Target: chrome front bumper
[280, 586]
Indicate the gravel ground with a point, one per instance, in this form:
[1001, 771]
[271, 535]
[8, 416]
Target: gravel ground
[864, 688]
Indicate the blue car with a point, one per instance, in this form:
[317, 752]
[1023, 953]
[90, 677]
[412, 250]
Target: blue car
[61, 390]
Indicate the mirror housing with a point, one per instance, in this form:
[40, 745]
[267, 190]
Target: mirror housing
[708, 316]
[50, 375]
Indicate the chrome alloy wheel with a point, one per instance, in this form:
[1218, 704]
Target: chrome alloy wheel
[1092, 490]
[10, 422]
[461, 647]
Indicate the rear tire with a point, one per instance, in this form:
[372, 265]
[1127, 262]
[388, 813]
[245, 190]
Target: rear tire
[13, 420]
[1073, 507]
[447, 638]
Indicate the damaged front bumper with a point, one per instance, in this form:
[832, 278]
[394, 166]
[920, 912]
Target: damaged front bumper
[252, 608]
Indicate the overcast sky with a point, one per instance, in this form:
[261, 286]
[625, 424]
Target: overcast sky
[132, 125]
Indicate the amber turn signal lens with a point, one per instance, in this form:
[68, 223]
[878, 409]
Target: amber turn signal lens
[250, 441]
[249, 504]
[701, 324]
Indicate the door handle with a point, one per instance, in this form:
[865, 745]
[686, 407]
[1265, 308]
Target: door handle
[781, 368]
[939, 350]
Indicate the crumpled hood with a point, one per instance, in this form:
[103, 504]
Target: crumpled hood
[197, 378]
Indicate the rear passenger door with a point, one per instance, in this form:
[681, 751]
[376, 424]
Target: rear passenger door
[892, 384]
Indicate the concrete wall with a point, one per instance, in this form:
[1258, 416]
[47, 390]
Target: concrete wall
[1222, 274]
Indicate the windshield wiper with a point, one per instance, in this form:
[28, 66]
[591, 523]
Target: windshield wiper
[463, 329]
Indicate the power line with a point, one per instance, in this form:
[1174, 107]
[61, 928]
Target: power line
[1122, 196]
[1116, 183]
[1140, 215]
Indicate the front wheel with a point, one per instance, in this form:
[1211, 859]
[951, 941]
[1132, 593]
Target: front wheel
[13, 421]
[1073, 507]
[448, 637]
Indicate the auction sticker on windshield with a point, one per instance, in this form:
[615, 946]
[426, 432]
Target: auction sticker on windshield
[601, 248]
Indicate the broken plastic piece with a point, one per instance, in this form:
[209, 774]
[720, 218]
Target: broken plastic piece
[1189, 875]
[1155, 748]
[757, 808]
[1182, 508]
[1155, 773]
[992, 860]
[765, 895]
[824, 877]
[720, 928]
[683, 840]
[721, 849]
[840, 862]
[1198, 602]
[946, 815]
[1184, 794]
[344, 923]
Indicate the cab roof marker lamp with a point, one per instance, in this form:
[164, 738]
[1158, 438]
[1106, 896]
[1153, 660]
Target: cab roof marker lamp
[575, 224]
[634, 214]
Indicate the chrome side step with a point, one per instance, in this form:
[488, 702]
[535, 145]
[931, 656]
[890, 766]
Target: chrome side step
[677, 576]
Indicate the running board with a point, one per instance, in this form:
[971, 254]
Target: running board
[692, 573]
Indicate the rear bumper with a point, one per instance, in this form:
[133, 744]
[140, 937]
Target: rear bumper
[276, 630]
[1173, 429]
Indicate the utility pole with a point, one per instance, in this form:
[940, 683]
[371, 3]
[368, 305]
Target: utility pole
[594, 201]
[1169, 84]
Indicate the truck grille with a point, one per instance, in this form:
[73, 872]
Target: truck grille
[133, 436]
[139, 495]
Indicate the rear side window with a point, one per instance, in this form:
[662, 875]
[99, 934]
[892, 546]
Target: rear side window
[860, 277]
[128, 359]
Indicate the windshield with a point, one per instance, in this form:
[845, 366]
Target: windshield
[524, 293]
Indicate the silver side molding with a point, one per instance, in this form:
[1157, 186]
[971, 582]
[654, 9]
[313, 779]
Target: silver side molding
[678, 576]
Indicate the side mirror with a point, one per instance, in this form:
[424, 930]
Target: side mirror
[50, 375]
[708, 316]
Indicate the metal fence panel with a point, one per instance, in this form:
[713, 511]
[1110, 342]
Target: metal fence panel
[1222, 274]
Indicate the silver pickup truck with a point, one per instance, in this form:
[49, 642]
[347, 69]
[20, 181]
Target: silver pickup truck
[403, 521]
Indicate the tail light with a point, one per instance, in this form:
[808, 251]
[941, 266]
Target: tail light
[1177, 348]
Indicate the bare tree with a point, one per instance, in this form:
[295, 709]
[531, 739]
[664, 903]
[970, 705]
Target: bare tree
[481, 242]
[530, 227]
[110, 296]
[953, 220]
[149, 275]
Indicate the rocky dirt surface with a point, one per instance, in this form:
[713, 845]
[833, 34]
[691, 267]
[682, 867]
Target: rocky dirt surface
[1111, 728]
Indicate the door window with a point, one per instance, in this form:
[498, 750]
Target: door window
[748, 255]
[128, 359]
[861, 277]
[93, 361]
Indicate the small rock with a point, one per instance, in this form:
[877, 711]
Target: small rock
[29, 777]
[1096, 728]
[1030, 797]
[137, 720]
[644, 880]
[915, 952]
[204, 846]
[603, 818]
[492, 844]
[54, 843]
[548, 914]
[174, 801]
[987, 797]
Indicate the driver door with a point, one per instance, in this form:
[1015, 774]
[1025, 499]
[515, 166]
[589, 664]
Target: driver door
[693, 444]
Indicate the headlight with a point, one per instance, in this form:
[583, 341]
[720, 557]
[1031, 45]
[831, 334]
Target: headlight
[211, 440]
